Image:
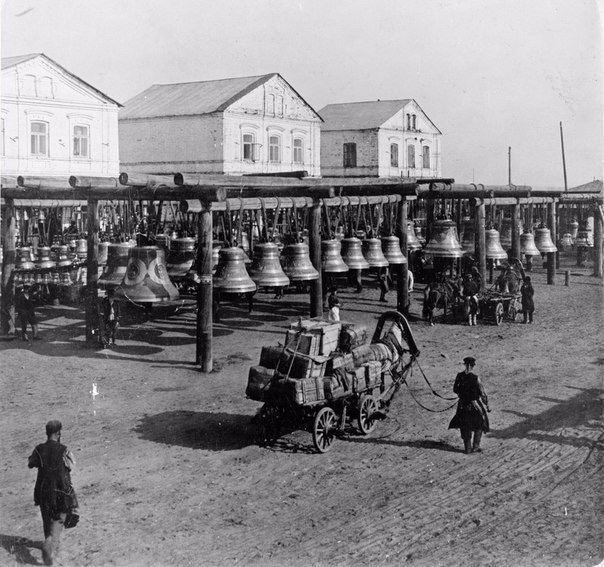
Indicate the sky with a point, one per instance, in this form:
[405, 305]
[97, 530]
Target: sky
[490, 74]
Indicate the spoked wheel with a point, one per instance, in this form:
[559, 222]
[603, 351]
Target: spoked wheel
[367, 408]
[512, 311]
[268, 424]
[499, 313]
[324, 429]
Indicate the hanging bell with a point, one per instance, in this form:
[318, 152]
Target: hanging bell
[245, 243]
[102, 251]
[63, 256]
[574, 228]
[81, 249]
[46, 278]
[163, 241]
[584, 238]
[420, 233]
[331, 258]
[266, 269]
[444, 242]
[372, 251]
[527, 245]
[216, 246]
[567, 240]
[117, 263]
[24, 261]
[494, 250]
[505, 237]
[146, 279]
[297, 265]
[44, 262]
[413, 243]
[180, 259]
[231, 275]
[543, 241]
[468, 236]
[392, 250]
[352, 254]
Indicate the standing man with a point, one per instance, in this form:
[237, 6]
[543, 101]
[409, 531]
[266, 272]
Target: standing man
[53, 491]
[110, 318]
[471, 416]
[334, 304]
[384, 287]
[528, 304]
[24, 305]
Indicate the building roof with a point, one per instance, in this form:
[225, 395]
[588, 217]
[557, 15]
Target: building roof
[8, 62]
[360, 115]
[594, 186]
[186, 99]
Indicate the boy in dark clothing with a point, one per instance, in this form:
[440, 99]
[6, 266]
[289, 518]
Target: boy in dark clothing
[110, 318]
[24, 305]
[528, 305]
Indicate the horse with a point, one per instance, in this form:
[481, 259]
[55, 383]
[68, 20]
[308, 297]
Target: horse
[443, 294]
[511, 279]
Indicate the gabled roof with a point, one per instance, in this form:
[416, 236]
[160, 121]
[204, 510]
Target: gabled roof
[366, 115]
[591, 187]
[8, 62]
[186, 99]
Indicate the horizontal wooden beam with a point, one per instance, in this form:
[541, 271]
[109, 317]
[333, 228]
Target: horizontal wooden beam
[34, 182]
[143, 180]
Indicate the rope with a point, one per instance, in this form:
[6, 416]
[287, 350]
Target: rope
[430, 385]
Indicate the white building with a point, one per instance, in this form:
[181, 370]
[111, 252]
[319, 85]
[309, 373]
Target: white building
[384, 138]
[54, 123]
[233, 126]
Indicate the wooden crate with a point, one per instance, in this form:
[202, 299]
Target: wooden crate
[306, 343]
[258, 382]
[300, 367]
[305, 391]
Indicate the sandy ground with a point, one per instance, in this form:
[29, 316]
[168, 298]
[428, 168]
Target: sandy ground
[168, 472]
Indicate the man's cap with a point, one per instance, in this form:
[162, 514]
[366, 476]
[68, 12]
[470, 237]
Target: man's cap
[53, 426]
[469, 360]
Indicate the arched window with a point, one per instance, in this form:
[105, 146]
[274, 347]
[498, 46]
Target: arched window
[426, 157]
[81, 141]
[29, 85]
[274, 149]
[408, 121]
[248, 147]
[270, 104]
[393, 155]
[411, 156]
[46, 87]
[280, 105]
[413, 122]
[39, 138]
[298, 150]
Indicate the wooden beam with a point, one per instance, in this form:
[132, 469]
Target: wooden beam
[598, 225]
[92, 273]
[33, 182]
[80, 182]
[481, 256]
[314, 244]
[143, 180]
[516, 232]
[7, 305]
[203, 354]
[551, 256]
[402, 287]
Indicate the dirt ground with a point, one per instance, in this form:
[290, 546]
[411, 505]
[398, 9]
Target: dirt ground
[168, 472]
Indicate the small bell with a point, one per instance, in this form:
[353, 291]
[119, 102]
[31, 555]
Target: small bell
[331, 258]
[352, 254]
[527, 245]
[117, 263]
[543, 241]
[44, 262]
[494, 250]
[444, 242]
[81, 249]
[266, 269]
[181, 256]
[231, 275]
[372, 251]
[574, 228]
[297, 265]
[392, 250]
[468, 236]
[584, 238]
[413, 243]
[63, 256]
[24, 261]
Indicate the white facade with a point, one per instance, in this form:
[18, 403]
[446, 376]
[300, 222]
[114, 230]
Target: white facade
[54, 124]
[266, 130]
[407, 144]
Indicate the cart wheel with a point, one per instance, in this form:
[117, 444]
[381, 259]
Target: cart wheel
[268, 424]
[512, 311]
[498, 313]
[324, 429]
[367, 408]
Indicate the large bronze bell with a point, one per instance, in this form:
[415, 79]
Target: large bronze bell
[527, 245]
[117, 263]
[331, 258]
[266, 269]
[543, 241]
[494, 250]
[391, 248]
[413, 243]
[146, 279]
[44, 262]
[352, 254]
[231, 275]
[372, 250]
[181, 256]
[444, 242]
[296, 263]
[81, 249]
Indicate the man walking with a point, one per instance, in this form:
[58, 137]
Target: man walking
[53, 491]
[110, 318]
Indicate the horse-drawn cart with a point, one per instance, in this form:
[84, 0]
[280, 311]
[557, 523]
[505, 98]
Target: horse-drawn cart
[355, 381]
[497, 306]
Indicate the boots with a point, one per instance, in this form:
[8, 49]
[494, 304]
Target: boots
[473, 317]
[467, 446]
[476, 445]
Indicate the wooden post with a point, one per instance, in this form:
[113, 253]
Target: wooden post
[429, 218]
[7, 310]
[481, 250]
[551, 256]
[314, 244]
[203, 353]
[516, 231]
[557, 211]
[598, 244]
[566, 278]
[92, 272]
[402, 288]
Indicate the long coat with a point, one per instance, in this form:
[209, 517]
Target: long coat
[471, 413]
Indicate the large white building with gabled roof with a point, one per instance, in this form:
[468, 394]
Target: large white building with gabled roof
[383, 138]
[53, 123]
[245, 125]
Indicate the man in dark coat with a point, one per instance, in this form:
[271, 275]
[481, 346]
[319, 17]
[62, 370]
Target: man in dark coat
[110, 314]
[53, 491]
[528, 305]
[24, 305]
[471, 416]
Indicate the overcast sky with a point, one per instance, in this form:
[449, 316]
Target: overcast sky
[490, 74]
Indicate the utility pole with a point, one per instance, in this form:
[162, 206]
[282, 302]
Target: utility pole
[563, 158]
[509, 166]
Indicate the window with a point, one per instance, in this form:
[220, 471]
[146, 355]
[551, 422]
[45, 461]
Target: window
[411, 157]
[298, 151]
[280, 105]
[270, 104]
[413, 124]
[408, 121]
[274, 149]
[29, 85]
[393, 155]
[426, 157]
[2, 140]
[46, 87]
[248, 147]
[350, 154]
[39, 138]
[81, 141]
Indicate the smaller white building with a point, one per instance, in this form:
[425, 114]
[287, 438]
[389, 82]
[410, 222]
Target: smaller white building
[383, 138]
[243, 125]
[53, 123]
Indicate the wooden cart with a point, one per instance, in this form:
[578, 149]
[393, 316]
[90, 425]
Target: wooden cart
[363, 403]
[496, 306]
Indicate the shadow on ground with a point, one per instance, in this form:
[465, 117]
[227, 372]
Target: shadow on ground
[20, 548]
